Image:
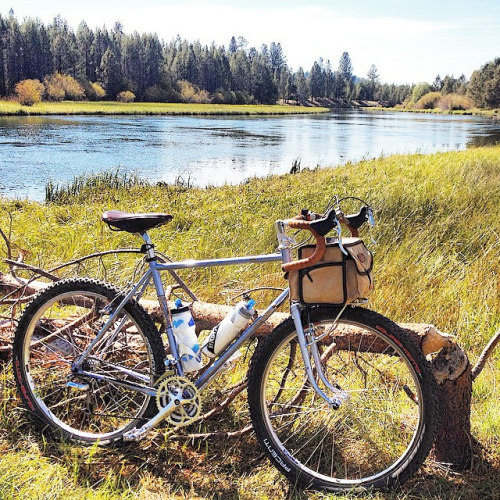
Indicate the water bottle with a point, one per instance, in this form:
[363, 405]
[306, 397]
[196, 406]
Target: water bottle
[184, 331]
[222, 334]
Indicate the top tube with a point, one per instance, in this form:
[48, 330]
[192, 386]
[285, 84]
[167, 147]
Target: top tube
[230, 261]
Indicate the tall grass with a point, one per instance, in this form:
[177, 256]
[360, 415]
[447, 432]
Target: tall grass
[437, 260]
[148, 108]
[83, 187]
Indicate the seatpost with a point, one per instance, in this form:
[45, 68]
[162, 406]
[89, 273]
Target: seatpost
[148, 247]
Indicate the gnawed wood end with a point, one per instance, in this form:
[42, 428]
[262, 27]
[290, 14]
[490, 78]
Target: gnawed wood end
[429, 338]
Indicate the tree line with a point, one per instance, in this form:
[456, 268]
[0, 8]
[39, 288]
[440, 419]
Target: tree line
[93, 63]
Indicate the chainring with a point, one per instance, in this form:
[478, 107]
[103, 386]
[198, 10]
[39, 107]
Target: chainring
[185, 413]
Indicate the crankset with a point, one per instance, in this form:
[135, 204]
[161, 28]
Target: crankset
[178, 401]
[187, 410]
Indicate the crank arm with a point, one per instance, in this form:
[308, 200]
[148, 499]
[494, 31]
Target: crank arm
[175, 402]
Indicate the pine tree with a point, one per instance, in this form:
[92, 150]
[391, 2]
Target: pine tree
[316, 81]
[301, 86]
[345, 72]
[108, 73]
[438, 84]
[84, 40]
[3, 54]
[233, 46]
[373, 77]
[263, 87]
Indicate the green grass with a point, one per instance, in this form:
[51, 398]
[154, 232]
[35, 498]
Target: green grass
[437, 261]
[148, 108]
[485, 113]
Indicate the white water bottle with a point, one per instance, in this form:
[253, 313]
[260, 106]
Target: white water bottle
[184, 331]
[222, 334]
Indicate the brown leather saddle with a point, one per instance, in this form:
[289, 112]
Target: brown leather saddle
[134, 223]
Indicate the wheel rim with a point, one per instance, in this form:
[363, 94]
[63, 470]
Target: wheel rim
[61, 330]
[373, 435]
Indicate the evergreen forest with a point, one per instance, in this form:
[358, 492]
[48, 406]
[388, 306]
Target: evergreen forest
[59, 63]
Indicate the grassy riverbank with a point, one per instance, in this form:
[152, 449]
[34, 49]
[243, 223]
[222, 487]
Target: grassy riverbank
[485, 113]
[8, 108]
[437, 260]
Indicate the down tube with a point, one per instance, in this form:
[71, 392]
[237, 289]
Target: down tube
[207, 377]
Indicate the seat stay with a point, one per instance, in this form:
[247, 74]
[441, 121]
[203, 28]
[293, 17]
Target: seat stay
[145, 278]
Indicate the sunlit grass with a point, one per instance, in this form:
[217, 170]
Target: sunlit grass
[437, 261]
[148, 108]
[486, 113]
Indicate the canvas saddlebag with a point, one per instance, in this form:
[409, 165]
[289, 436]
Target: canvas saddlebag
[337, 279]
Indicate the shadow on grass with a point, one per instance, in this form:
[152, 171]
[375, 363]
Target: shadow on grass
[216, 468]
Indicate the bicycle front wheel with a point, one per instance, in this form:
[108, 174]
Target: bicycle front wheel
[56, 328]
[379, 436]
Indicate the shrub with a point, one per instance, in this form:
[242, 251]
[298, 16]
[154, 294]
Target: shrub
[155, 94]
[54, 91]
[95, 92]
[59, 87]
[429, 100]
[126, 96]
[74, 91]
[192, 93]
[231, 97]
[420, 90]
[455, 102]
[29, 92]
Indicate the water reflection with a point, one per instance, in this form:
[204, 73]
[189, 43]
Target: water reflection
[216, 150]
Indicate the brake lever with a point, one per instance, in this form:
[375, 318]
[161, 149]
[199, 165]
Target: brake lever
[339, 238]
[371, 219]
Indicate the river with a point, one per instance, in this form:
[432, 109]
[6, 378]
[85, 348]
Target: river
[216, 150]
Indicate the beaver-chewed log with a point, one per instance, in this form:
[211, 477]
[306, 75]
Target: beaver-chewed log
[452, 371]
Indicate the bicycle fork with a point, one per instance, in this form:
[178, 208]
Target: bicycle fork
[339, 396]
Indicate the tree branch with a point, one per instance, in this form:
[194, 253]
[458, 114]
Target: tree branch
[481, 362]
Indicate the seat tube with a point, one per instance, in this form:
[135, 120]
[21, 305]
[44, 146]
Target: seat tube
[160, 292]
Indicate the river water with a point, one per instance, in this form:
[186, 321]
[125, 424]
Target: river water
[215, 150]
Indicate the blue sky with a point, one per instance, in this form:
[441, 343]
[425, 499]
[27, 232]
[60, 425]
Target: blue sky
[408, 41]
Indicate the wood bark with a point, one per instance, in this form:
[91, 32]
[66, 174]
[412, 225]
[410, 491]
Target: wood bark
[452, 445]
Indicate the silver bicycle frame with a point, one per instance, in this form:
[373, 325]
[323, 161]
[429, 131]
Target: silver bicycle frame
[308, 347]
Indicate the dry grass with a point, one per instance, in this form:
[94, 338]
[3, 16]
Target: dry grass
[148, 108]
[437, 260]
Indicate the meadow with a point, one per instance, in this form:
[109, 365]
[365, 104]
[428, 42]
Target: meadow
[148, 108]
[437, 260]
[485, 113]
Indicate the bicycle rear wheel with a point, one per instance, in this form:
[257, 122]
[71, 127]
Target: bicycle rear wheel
[378, 437]
[55, 329]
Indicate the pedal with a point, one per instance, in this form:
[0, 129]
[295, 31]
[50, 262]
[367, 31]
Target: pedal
[135, 434]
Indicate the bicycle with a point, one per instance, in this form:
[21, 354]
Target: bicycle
[340, 397]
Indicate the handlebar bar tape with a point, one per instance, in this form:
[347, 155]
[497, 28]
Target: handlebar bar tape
[318, 252]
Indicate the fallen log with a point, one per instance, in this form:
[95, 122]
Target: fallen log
[450, 366]
[205, 314]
